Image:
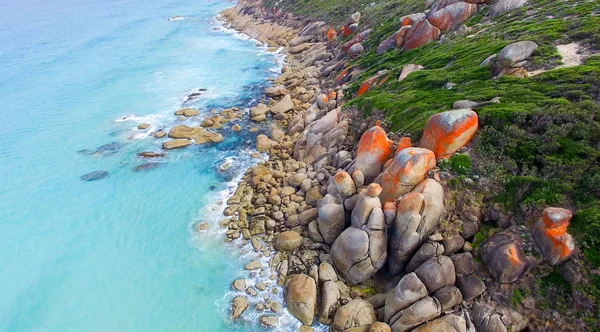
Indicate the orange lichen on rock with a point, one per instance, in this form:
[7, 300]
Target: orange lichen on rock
[403, 143]
[421, 34]
[407, 170]
[356, 40]
[554, 217]
[503, 255]
[331, 34]
[452, 15]
[374, 149]
[514, 256]
[332, 95]
[347, 30]
[371, 82]
[447, 132]
[400, 38]
[344, 184]
[342, 76]
[366, 85]
[550, 235]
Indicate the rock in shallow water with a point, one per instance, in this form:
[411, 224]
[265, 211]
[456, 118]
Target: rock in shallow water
[238, 307]
[150, 154]
[301, 298]
[93, 176]
[147, 167]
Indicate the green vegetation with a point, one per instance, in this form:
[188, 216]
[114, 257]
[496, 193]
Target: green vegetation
[517, 297]
[337, 12]
[460, 163]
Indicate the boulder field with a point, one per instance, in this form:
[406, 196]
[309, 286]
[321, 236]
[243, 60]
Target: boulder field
[357, 227]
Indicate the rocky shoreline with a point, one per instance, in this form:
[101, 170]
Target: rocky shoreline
[359, 228]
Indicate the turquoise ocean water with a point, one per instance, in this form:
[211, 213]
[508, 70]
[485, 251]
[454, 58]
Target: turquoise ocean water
[120, 253]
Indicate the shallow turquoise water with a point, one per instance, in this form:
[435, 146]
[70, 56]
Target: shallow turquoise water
[121, 253]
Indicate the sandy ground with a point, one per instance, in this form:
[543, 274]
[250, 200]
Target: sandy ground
[572, 54]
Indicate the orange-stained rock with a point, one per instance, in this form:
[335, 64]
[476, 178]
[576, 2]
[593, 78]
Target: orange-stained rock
[401, 36]
[448, 131]
[347, 30]
[403, 143]
[371, 82]
[331, 34]
[373, 189]
[406, 171]
[374, 149]
[452, 15]
[555, 217]
[344, 184]
[341, 79]
[389, 211]
[550, 235]
[411, 19]
[421, 34]
[366, 85]
[332, 95]
[357, 39]
[503, 255]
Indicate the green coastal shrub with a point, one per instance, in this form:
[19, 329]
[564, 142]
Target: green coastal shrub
[460, 163]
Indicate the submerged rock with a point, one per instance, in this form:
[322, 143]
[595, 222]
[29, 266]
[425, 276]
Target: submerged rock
[150, 154]
[93, 176]
[110, 147]
[147, 167]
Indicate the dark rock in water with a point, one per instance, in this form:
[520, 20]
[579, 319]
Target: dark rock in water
[110, 147]
[202, 90]
[213, 188]
[150, 154]
[147, 167]
[93, 176]
[86, 152]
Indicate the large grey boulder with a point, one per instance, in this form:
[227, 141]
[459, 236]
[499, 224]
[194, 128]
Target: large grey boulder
[355, 314]
[469, 284]
[516, 54]
[486, 319]
[448, 323]
[367, 202]
[409, 290]
[330, 301]
[502, 6]
[503, 255]
[422, 311]
[359, 253]
[301, 298]
[426, 251]
[417, 216]
[449, 297]
[436, 273]
[331, 221]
